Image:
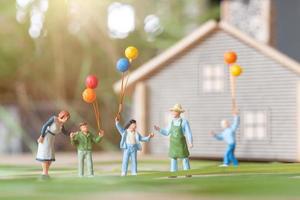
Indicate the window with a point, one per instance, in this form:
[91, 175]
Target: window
[255, 125]
[213, 78]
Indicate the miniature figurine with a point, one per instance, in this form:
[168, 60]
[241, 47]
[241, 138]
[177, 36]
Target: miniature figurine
[179, 131]
[228, 135]
[46, 151]
[130, 143]
[84, 141]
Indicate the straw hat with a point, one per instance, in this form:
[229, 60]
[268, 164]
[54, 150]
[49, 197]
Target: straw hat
[177, 108]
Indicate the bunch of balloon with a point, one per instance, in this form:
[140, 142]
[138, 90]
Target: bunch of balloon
[90, 97]
[230, 59]
[123, 66]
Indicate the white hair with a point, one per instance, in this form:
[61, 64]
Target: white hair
[225, 123]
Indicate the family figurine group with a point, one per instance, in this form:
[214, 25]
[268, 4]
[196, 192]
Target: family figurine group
[178, 130]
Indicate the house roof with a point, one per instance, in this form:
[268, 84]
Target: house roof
[201, 33]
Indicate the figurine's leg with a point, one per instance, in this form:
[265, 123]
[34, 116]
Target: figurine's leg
[45, 166]
[89, 161]
[174, 166]
[186, 164]
[125, 162]
[232, 156]
[80, 155]
[226, 156]
[134, 163]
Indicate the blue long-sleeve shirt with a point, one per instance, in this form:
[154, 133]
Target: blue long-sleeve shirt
[228, 135]
[123, 133]
[186, 129]
[49, 123]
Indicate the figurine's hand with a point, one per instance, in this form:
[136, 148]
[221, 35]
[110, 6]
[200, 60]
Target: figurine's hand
[212, 133]
[156, 128]
[101, 133]
[40, 140]
[117, 119]
[151, 135]
[72, 134]
[235, 111]
[191, 145]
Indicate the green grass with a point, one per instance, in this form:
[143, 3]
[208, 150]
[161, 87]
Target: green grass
[249, 180]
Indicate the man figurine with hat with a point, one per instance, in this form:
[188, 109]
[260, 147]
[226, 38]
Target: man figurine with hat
[180, 132]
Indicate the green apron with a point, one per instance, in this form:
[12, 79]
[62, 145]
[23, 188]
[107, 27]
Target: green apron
[178, 147]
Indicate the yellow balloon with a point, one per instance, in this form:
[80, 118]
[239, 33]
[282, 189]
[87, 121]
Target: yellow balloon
[131, 53]
[236, 70]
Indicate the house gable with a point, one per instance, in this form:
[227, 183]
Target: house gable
[155, 64]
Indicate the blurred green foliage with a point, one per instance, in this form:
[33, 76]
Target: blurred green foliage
[52, 68]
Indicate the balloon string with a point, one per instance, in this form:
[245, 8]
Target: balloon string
[96, 116]
[95, 112]
[98, 113]
[233, 90]
[125, 87]
[122, 85]
[123, 92]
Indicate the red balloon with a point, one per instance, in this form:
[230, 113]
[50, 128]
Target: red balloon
[91, 82]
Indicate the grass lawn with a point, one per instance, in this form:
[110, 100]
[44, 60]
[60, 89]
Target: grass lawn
[248, 181]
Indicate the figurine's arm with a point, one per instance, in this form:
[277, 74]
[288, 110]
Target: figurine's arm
[74, 138]
[121, 130]
[98, 138]
[219, 136]
[64, 131]
[144, 138]
[163, 131]
[46, 125]
[188, 132]
[236, 123]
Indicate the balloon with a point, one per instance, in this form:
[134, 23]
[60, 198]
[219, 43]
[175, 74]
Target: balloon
[89, 95]
[230, 57]
[131, 53]
[123, 65]
[91, 82]
[236, 70]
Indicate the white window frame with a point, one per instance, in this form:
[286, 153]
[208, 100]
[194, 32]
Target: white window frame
[213, 78]
[256, 123]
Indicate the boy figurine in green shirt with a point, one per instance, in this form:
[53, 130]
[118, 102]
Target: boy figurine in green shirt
[84, 141]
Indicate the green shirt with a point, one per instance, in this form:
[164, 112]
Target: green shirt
[85, 142]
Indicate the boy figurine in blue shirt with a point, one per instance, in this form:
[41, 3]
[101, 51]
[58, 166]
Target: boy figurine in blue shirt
[228, 135]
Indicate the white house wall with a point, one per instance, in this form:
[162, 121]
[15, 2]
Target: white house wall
[265, 85]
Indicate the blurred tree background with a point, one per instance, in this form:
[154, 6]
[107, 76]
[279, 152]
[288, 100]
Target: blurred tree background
[48, 47]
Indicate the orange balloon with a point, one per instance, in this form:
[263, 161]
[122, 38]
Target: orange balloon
[89, 95]
[230, 57]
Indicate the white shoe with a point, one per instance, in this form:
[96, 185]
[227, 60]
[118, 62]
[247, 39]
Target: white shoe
[223, 165]
[133, 174]
[123, 174]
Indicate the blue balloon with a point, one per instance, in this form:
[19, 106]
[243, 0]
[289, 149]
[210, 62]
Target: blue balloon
[123, 65]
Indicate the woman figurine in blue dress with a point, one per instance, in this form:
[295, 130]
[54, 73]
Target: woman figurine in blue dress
[46, 151]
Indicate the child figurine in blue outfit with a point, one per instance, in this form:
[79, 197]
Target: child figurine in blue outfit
[228, 135]
[130, 143]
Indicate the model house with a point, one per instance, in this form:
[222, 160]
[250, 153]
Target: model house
[193, 73]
